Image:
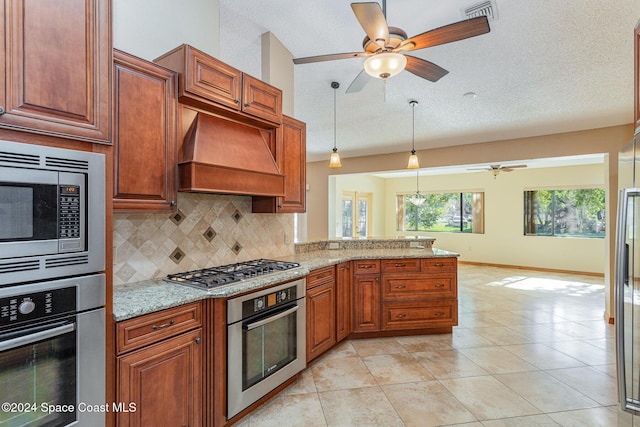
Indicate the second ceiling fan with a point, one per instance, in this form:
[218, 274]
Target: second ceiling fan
[385, 46]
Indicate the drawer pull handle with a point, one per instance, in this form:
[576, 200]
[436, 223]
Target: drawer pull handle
[438, 264]
[166, 325]
[439, 285]
[321, 276]
[400, 286]
[400, 265]
[439, 313]
[401, 316]
[366, 266]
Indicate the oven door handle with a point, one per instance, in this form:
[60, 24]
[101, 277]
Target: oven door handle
[37, 336]
[269, 319]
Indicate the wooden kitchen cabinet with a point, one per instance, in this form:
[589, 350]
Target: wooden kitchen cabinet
[206, 81]
[56, 63]
[321, 311]
[144, 135]
[365, 294]
[343, 300]
[160, 368]
[291, 157]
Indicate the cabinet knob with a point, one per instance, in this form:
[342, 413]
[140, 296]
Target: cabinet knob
[198, 340]
[237, 101]
[247, 104]
[377, 279]
[2, 111]
[173, 203]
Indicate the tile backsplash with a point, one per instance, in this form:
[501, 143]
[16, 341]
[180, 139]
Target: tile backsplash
[207, 230]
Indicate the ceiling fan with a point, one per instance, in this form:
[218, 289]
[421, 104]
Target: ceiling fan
[385, 46]
[496, 169]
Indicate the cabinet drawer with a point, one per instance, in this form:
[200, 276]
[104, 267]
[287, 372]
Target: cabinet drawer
[416, 315]
[151, 328]
[321, 276]
[400, 265]
[439, 264]
[366, 266]
[418, 286]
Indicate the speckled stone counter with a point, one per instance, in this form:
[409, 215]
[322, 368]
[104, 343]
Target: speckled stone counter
[136, 299]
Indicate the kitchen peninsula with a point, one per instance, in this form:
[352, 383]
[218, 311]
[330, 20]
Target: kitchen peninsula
[362, 288]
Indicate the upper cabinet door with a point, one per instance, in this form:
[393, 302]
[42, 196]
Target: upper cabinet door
[261, 99]
[144, 135]
[55, 68]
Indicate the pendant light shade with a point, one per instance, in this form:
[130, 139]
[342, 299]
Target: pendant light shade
[334, 161]
[413, 158]
[417, 199]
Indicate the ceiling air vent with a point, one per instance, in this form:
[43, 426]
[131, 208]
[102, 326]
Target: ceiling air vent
[485, 8]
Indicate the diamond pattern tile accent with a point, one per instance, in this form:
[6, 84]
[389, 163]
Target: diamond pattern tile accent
[207, 231]
[178, 217]
[177, 255]
[209, 234]
[236, 248]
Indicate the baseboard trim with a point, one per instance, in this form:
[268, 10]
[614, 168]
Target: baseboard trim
[522, 267]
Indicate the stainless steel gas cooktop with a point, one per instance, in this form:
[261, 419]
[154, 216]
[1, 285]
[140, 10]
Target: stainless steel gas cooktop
[208, 278]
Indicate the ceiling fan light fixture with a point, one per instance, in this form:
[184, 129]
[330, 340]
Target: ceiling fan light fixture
[385, 65]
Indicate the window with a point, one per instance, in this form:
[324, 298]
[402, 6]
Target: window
[565, 213]
[356, 214]
[456, 212]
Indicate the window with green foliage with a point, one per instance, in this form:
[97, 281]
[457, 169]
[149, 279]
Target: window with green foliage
[456, 212]
[565, 213]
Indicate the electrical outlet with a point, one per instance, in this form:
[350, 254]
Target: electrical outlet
[416, 245]
[334, 245]
[287, 238]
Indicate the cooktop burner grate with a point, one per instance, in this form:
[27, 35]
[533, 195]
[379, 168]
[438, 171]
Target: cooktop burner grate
[225, 274]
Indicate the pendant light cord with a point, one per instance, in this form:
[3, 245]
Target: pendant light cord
[335, 89]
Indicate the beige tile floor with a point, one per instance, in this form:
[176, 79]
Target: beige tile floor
[531, 349]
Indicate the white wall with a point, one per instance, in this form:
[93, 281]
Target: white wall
[149, 28]
[504, 241]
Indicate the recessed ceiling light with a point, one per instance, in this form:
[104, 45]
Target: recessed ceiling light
[470, 95]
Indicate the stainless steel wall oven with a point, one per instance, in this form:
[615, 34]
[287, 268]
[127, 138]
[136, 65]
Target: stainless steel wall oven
[266, 340]
[52, 353]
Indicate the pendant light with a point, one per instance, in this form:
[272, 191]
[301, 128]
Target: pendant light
[413, 159]
[417, 199]
[334, 161]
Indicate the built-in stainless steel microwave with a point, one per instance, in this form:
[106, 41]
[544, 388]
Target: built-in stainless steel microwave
[52, 212]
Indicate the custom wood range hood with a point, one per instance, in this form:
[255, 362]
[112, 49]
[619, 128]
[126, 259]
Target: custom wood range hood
[228, 157]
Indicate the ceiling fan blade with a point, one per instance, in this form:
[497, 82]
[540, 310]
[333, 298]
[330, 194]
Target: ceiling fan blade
[479, 169]
[447, 34]
[425, 69]
[359, 82]
[372, 20]
[331, 57]
[513, 167]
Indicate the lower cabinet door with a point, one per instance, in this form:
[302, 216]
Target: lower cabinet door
[321, 315]
[419, 314]
[160, 385]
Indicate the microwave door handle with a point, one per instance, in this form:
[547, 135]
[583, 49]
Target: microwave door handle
[38, 336]
[269, 319]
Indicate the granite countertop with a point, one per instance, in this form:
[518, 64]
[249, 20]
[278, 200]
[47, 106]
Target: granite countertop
[136, 299]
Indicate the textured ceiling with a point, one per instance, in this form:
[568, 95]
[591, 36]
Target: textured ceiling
[547, 66]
